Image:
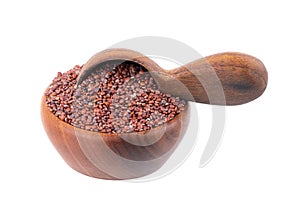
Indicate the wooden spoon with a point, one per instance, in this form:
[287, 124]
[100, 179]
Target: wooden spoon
[222, 79]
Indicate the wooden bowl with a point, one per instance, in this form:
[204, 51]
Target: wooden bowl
[116, 156]
[222, 79]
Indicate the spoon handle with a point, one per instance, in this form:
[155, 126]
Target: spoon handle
[221, 79]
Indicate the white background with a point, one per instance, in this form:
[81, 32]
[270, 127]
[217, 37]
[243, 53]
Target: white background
[255, 171]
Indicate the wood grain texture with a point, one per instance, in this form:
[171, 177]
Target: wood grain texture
[114, 156]
[223, 79]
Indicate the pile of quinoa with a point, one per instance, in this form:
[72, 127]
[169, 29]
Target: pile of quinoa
[116, 97]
